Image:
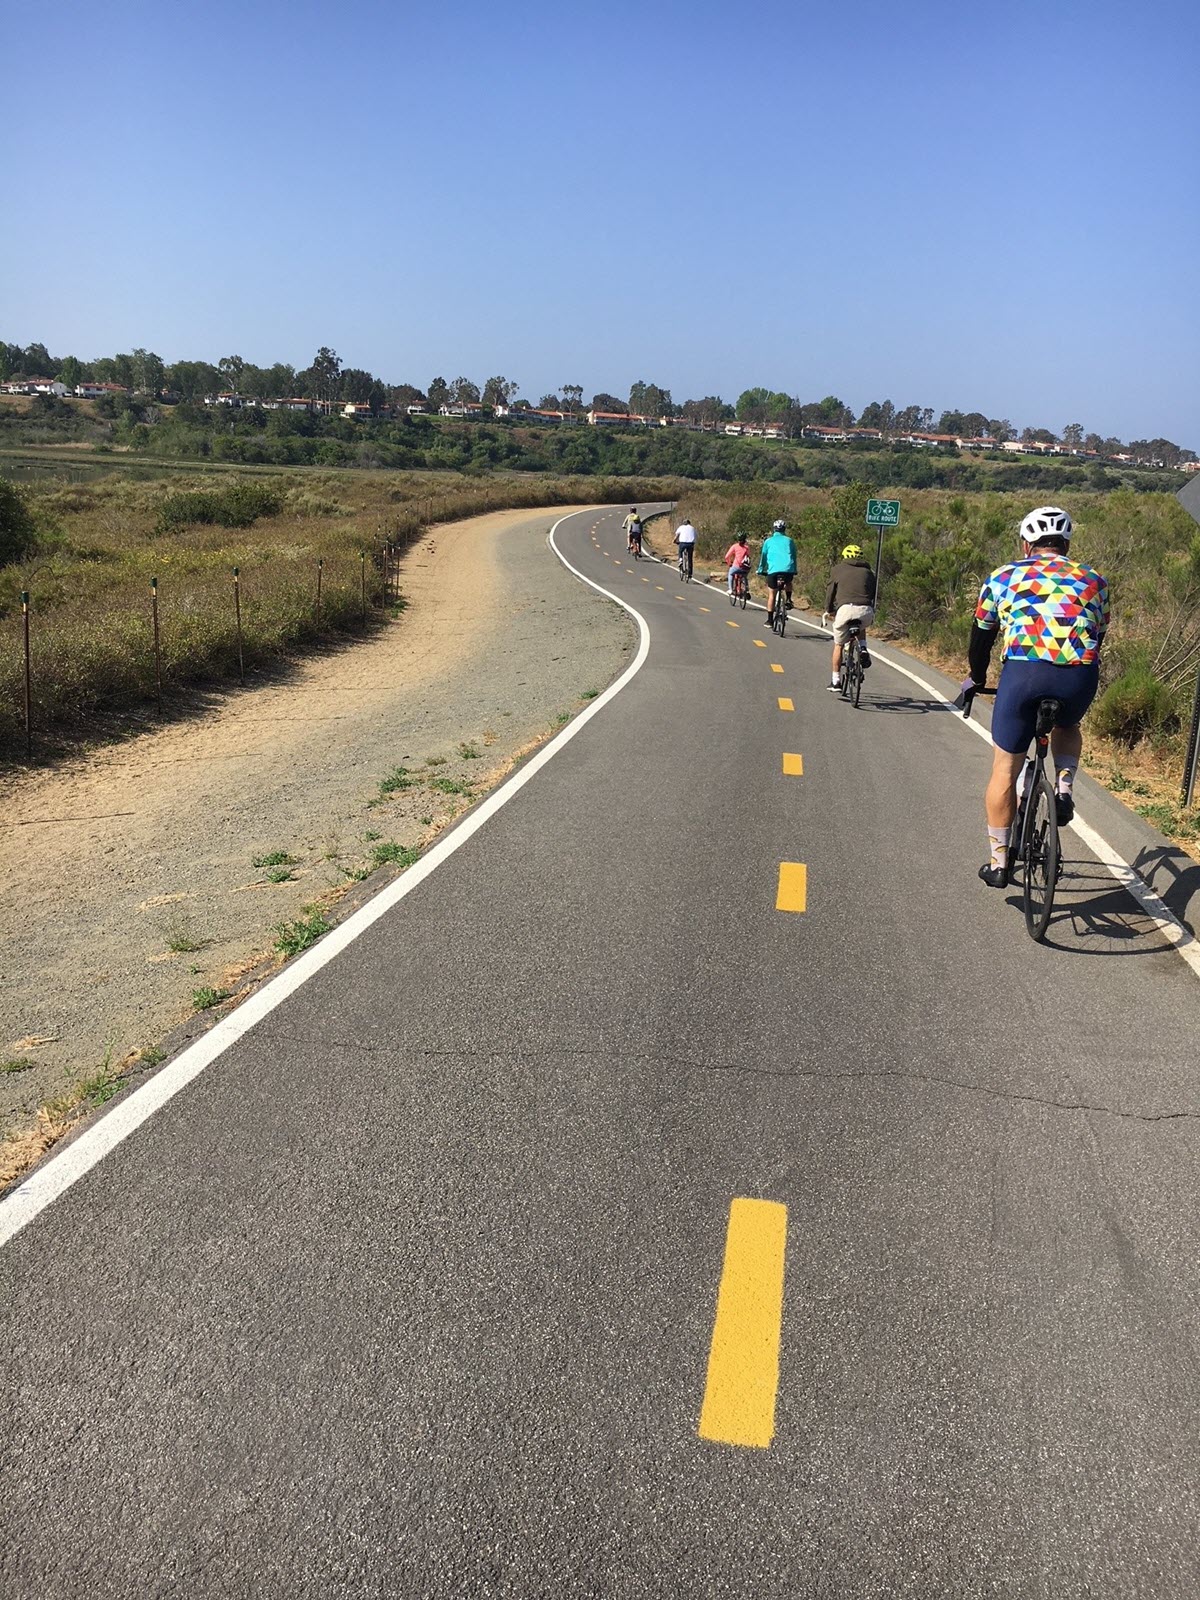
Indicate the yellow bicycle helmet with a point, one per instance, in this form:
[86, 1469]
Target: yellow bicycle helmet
[852, 552]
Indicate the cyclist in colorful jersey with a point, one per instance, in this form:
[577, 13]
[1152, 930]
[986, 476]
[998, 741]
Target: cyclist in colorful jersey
[1053, 613]
[777, 563]
[851, 598]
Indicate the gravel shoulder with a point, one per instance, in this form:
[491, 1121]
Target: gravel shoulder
[128, 877]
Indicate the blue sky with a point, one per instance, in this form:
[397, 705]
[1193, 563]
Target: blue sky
[987, 208]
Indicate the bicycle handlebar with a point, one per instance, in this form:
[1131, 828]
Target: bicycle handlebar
[966, 696]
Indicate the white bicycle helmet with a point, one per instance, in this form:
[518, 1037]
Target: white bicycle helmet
[1047, 522]
[779, 525]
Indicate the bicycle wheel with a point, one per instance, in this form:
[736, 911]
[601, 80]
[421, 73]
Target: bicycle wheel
[857, 669]
[1039, 851]
[733, 597]
[745, 592]
[780, 613]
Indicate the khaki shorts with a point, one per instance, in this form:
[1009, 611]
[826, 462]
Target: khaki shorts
[845, 614]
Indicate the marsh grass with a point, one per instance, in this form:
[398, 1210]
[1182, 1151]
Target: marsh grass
[101, 543]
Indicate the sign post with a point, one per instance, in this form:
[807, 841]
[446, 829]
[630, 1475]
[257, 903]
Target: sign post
[881, 514]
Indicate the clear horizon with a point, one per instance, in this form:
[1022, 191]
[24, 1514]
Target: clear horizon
[929, 207]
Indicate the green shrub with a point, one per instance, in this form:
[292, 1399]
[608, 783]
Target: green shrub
[18, 530]
[1135, 704]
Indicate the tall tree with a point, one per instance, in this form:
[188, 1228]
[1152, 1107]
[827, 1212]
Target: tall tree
[37, 361]
[637, 397]
[231, 369]
[325, 374]
[572, 394]
[1000, 429]
[465, 392]
[439, 393]
[607, 402]
[499, 391]
[71, 371]
[1072, 435]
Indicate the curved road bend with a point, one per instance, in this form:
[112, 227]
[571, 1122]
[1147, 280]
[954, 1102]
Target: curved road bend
[415, 1290]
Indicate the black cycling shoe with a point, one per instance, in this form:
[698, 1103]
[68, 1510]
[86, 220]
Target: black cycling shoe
[864, 659]
[994, 877]
[1064, 807]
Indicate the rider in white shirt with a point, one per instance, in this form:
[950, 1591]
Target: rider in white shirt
[685, 538]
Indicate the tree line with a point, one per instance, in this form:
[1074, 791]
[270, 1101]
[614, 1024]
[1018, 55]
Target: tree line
[327, 380]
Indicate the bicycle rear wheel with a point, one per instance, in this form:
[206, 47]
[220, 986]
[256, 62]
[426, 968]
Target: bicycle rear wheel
[745, 594]
[856, 676]
[1039, 852]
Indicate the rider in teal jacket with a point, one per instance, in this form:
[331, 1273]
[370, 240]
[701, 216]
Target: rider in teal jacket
[777, 563]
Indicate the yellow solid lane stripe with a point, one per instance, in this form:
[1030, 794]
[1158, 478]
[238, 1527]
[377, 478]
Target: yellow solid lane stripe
[743, 1360]
[793, 765]
[785, 704]
[792, 893]
[775, 667]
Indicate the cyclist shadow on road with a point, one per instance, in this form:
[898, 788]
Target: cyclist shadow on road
[1095, 916]
[904, 704]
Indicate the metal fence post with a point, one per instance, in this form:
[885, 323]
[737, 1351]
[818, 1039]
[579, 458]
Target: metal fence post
[1193, 749]
[157, 644]
[28, 677]
[237, 607]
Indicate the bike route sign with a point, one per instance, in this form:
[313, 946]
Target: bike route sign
[883, 513]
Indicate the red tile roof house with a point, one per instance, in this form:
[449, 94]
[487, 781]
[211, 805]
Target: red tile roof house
[94, 391]
[35, 386]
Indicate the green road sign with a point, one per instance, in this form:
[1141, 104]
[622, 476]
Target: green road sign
[883, 513]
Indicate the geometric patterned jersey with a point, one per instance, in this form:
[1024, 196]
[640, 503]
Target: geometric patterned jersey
[1050, 608]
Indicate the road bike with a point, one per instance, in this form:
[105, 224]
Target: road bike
[850, 676]
[740, 592]
[779, 614]
[685, 563]
[1035, 856]
[635, 547]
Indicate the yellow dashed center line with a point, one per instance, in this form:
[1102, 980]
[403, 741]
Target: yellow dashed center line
[743, 1360]
[645, 580]
[761, 643]
[729, 624]
[704, 608]
[792, 893]
[785, 704]
[775, 667]
[793, 765]
[659, 587]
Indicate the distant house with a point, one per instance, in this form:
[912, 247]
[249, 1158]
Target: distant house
[96, 391]
[465, 408]
[417, 410]
[610, 419]
[297, 403]
[815, 430]
[356, 408]
[34, 386]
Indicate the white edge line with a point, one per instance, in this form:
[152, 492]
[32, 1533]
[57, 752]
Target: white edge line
[57, 1174]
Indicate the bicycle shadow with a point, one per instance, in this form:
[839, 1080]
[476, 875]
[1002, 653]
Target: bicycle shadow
[903, 704]
[1101, 915]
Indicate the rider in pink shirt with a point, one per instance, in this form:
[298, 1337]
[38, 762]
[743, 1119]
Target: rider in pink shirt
[737, 558]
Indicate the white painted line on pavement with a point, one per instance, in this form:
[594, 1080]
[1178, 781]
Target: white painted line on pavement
[59, 1172]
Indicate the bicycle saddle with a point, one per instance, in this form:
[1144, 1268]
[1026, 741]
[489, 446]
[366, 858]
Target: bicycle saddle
[1049, 712]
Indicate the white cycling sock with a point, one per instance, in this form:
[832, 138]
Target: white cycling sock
[998, 844]
[1068, 766]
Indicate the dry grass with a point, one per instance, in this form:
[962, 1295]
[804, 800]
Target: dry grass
[90, 583]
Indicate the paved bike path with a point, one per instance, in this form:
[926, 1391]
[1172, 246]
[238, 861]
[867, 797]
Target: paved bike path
[412, 1291]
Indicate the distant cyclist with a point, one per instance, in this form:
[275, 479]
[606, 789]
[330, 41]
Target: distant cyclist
[685, 538]
[851, 598]
[633, 531]
[737, 559]
[777, 563]
[1053, 614]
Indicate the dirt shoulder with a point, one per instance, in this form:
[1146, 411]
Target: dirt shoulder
[128, 877]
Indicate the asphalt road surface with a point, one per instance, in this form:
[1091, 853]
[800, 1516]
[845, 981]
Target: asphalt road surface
[698, 1185]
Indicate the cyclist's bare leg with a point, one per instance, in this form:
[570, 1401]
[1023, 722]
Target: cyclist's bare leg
[836, 662]
[1000, 799]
